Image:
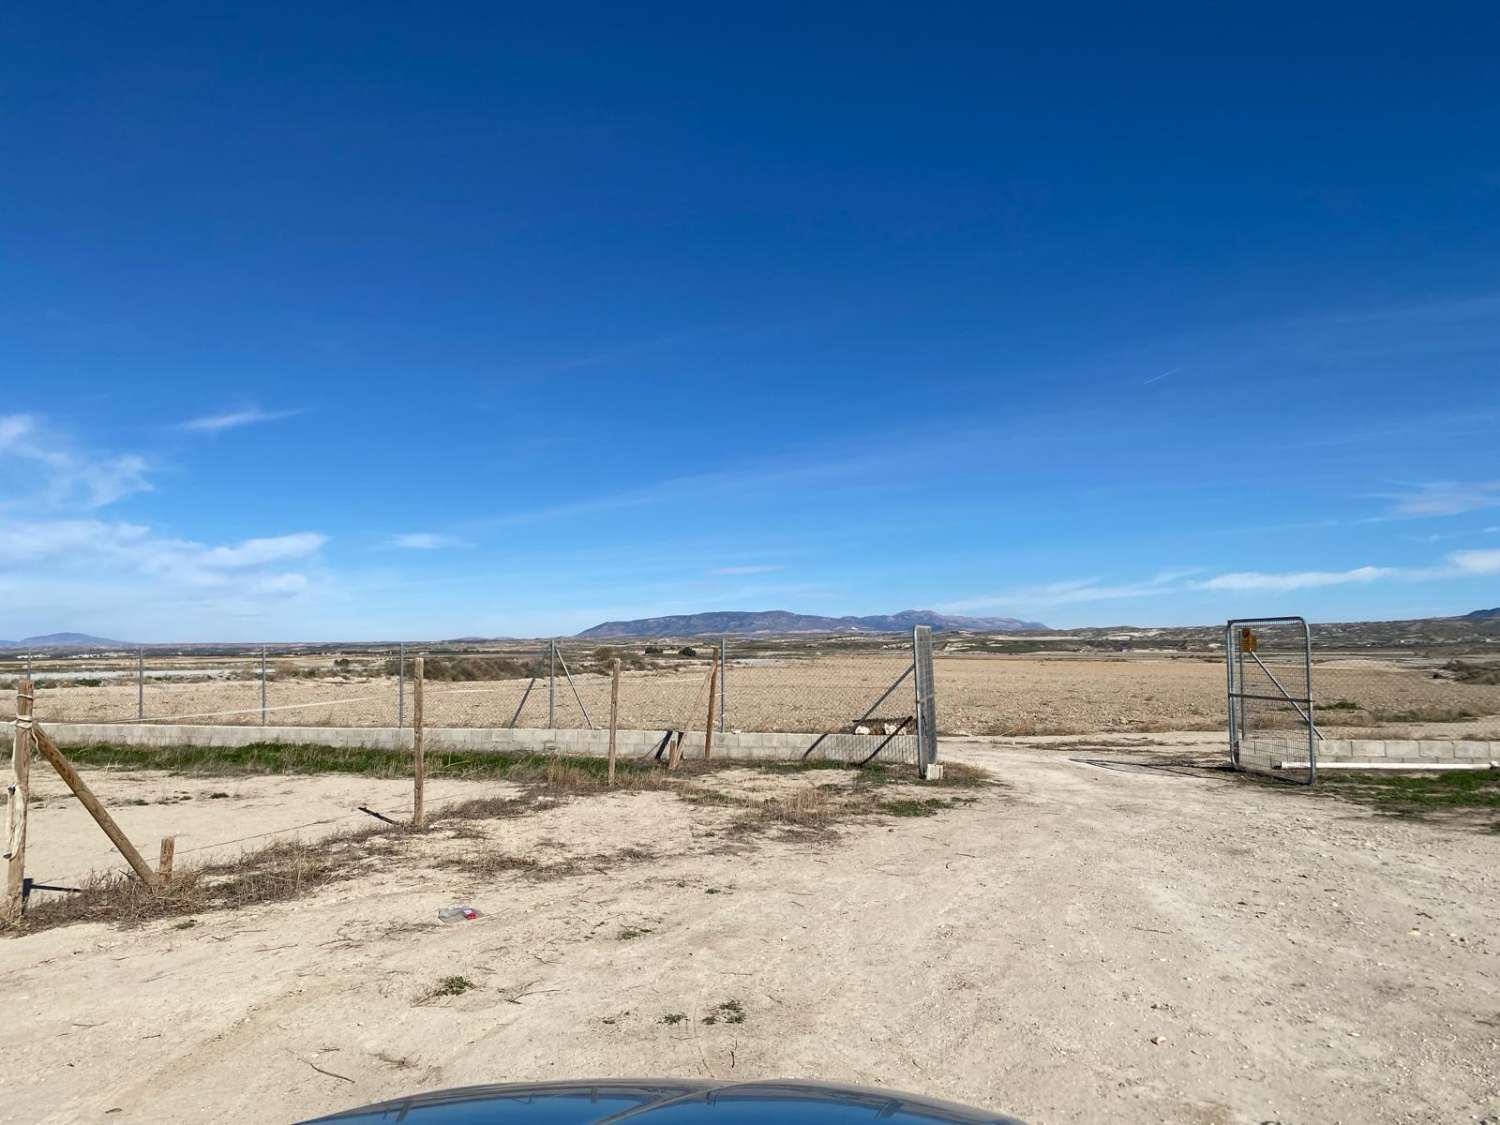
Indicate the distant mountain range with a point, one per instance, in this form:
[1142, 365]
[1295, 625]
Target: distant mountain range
[771, 623]
[64, 640]
[779, 621]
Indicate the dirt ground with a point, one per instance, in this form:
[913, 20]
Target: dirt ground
[977, 694]
[1119, 932]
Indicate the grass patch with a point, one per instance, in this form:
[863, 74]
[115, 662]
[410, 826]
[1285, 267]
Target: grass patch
[630, 933]
[672, 1018]
[567, 773]
[450, 986]
[1417, 792]
[283, 870]
[489, 865]
[575, 773]
[1468, 797]
[807, 808]
[817, 810]
[929, 807]
[1424, 715]
[956, 775]
[729, 1011]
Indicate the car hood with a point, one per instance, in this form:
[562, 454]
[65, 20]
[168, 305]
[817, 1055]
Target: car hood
[665, 1101]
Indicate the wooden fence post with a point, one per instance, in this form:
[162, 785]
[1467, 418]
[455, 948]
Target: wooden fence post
[614, 715]
[87, 799]
[18, 793]
[164, 864]
[674, 756]
[419, 764]
[713, 702]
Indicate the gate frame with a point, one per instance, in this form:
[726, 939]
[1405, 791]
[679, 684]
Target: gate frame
[1235, 694]
[926, 703]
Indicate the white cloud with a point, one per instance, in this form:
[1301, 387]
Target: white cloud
[68, 476]
[425, 541]
[14, 429]
[1072, 591]
[279, 585]
[258, 552]
[62, 566]
[125, 549]
[233, 419]
[730, 571]
[1443, 498]
[1297, 580]
[1456, 565]
[1475, 562]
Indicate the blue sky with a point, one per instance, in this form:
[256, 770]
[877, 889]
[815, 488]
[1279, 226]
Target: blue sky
[363, 322]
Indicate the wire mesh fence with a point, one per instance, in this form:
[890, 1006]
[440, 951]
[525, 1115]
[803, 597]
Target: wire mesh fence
[838, 692]
[233, 687]
[1358, 692]
[797, 684]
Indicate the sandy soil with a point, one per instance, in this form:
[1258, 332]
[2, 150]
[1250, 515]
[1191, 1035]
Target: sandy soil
[213, 818]
[1121, 933]
[977, 694]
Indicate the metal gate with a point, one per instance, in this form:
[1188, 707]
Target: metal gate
[1268, 665]
[895, 726]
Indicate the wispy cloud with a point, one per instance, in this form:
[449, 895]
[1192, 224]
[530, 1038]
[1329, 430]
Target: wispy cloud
[1442, 498]
[720, 484]
[759, 568]
[1296, 580]
[70, 476]
[1075, 590]
[425, 541]
[234, 419]
[1465, 563]
[1456, 565]
[64, 563]
[125, 550]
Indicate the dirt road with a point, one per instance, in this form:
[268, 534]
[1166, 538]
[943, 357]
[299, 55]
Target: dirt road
[1118, 934]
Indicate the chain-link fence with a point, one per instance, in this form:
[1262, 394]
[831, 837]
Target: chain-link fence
[839, 692]
[1357, 693]
[839, 697]
[282, 687]
[798, 684]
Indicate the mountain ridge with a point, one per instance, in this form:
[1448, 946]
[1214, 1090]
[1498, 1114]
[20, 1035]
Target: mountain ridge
[65, 640]
[780, 621]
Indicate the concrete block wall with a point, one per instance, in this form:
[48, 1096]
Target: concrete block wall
[1410, 751]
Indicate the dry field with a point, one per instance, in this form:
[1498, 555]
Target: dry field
[977, 694]
[1116, 930]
